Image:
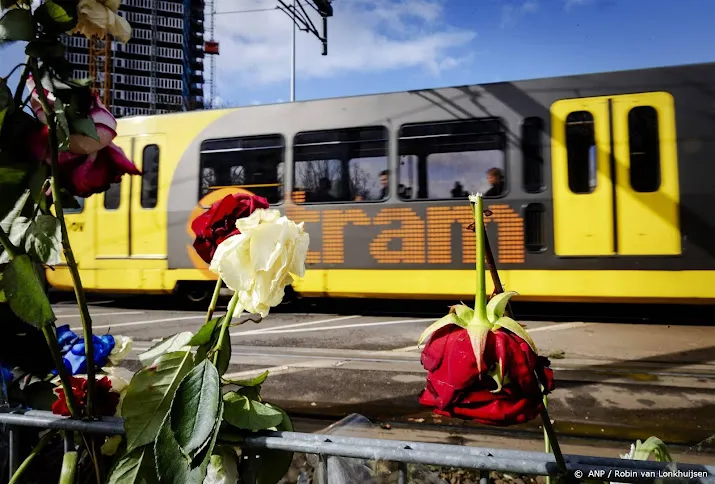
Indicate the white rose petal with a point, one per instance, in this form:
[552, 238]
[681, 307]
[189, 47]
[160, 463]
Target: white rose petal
[264, 258]
[122, 347]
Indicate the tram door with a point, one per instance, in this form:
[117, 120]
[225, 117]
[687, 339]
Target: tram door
[615, 176]
[130, 236]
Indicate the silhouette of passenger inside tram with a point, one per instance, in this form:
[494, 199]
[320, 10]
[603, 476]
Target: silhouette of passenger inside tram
[322, 194]
[458, 190]
[495, 177]
[385, 182]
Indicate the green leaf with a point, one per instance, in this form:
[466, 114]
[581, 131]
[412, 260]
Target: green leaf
[224, 357]
[43, 239]
[167, 345]
[40, 395]
[7, 3]
[135, 467]
[13, 177]
[63, 127]
[172, 465]
[149, 397]
[243, 413]
[194, 408]
[497, 305]
[204, 334]
[84, 82]
[54, 18]
[450, 318]
[508, 323]
[653, 445]
[17, 24]
[45, 48]
[25, 294]
[251, 382]
[271, 465]
[463, 312]
[86, 127]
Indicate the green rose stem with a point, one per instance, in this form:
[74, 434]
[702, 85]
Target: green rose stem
[225, 324]
[50, 337]
[67, 249]
[69, 468]
[214, 300]
[482, 242]
[480, 300]
[26, 463]
[23, 80]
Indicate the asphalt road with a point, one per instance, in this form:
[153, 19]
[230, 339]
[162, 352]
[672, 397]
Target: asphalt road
[617, 381]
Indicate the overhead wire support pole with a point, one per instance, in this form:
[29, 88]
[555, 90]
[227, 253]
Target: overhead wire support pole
[292, 60]
[303, 21]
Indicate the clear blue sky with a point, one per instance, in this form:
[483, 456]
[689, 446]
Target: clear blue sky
[389, 45]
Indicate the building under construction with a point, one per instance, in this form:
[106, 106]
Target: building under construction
[160, 70]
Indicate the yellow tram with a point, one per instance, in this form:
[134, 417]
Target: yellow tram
[601, 188]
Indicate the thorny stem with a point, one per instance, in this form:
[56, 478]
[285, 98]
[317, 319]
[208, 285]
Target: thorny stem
[214, 300]
[67, 249]
[224, 325]
[550, 442]
[26, 463]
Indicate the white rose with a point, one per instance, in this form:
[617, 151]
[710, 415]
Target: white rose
[122, 347]
[265, 257]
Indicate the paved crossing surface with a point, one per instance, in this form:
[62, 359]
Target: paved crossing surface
[613, 380]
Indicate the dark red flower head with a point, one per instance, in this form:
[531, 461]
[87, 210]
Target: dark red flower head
[105, 402]
[219, 222]
[456, 388]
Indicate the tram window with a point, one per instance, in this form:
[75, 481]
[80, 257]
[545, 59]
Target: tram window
[78, 209]
[150, 176]
[112, 197]
[442, 160]
[644, 148]
[533, 159]
[341, 165]
[534, 229]
[581, 152]
[254, 164]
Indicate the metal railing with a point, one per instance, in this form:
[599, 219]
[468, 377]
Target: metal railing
[330, 446]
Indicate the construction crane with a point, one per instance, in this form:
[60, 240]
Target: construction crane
[100, 57]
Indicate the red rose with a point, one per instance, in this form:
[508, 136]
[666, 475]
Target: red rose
[105, 403]
[219, 222]
[84, 175]
[456, 388]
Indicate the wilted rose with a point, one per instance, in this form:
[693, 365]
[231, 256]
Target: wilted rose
[219, 222]
[482, 365]
[89, 165]
[262, 259]
[506, 390]
[99, 17]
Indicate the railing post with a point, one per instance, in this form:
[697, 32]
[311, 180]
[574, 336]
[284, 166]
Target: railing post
[401, 473]
[13, 449]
